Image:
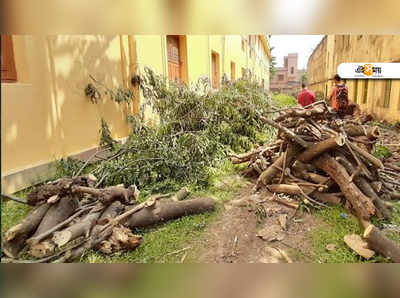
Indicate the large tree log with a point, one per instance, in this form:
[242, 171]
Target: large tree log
[122, 238]
[36, 239]
[81, 228]
[289, 134]
[266, 176]
[316, 178]
[181, 194]
[369, 157]
[60, 187]
[354, 130]
[110, 194]
[362, 205]
[112, 211]
[290, 189]
[165, 210]
[303, 113]
[321, 147]
[381, 244]
[395, 195]
[57, 213]
[365, 187]
[14, 238]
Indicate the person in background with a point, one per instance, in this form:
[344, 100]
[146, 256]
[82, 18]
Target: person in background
[339, 97]
[306, 97]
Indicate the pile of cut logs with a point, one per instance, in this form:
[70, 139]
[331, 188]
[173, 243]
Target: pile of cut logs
[325, 160]
[71, 216]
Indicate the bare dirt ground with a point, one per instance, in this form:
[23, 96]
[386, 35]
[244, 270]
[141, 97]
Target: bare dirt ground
[250, 232]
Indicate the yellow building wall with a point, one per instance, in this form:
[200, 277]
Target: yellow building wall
[46, 116]
[198, 49]
[336, 49]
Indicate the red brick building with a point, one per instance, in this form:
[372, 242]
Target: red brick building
[287, 78]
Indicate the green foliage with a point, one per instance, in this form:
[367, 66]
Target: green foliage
[197, 129]
[304, 77]
[382, 151]
[272, 65]
[67, 167]
[120, 94]
[105, 134]
[284, 100]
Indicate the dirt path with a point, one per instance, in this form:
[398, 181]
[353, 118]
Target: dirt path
[233, 237]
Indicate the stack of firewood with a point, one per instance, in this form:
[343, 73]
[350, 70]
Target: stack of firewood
[325, 160]
[71, 216]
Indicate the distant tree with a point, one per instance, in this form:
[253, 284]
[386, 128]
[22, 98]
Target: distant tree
[272, 66]
[304, 77]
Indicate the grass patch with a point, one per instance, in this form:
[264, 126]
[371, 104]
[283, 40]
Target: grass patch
[382, 151]
[13, 212]
[336, 223]
[284, 100]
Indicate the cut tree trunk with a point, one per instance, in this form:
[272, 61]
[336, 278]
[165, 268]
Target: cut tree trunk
[381, 244]
[81, 228]
[321, 147]
[110, 194]
[366, 188]
[181, 194]
[166, 210]
[60, 187]
[273, 170]
[362, 205]
[369, 157]
[15, 237]
[57, 213]
[303, 113]
[288, 133]
[112, 211]
[395, 195]
[290, 189]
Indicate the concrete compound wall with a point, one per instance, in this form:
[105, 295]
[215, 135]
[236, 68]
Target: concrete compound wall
[369, 94]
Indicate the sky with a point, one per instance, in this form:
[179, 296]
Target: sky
[301, 44]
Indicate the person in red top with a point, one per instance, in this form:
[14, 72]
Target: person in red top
[306, 97]
[333, 95]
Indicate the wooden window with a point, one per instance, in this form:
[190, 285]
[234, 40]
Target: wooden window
[174, 65]
[215, 69]
[292, 70]
[365, 93]
[280, 77]
[388, 89]
[233, 71]
[8, 70]
[355, 90]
